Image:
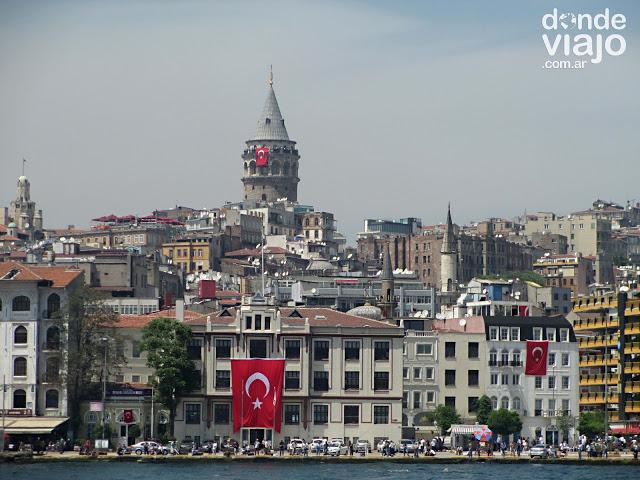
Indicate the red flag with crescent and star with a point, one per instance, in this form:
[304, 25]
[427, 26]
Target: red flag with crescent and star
[262, 157]
[536, 357]
[256, 391]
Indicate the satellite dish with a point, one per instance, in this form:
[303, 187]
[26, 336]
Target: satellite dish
[71, 239]
[462, 322]
[314, 291]
[63, 239]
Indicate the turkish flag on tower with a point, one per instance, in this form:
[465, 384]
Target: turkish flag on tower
[262, 157]
[256, 391]
[536, 358]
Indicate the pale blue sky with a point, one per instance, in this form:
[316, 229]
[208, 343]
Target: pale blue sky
[397, 107]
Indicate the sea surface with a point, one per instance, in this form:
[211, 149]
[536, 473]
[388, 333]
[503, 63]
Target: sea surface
[310, 471]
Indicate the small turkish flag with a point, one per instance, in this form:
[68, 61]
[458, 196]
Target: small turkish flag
[262, 157]
[536, 358]
[256, 392]
[127, 416]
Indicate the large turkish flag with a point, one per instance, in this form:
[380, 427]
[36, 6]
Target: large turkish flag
[256, 390]
[536, 357]
[262, 157]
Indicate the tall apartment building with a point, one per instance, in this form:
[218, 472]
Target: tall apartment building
[573, 271]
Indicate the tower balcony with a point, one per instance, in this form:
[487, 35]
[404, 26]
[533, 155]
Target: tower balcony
[598, 379]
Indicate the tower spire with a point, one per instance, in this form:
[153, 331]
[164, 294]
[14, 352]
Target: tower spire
[271, 75]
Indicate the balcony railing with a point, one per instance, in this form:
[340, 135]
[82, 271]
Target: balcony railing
[600, 341]
[633, 367]
[595, 323]
[632, 407]
[598, 379]
[633, 347]
[632, 387]
[598, 398]
[597, 360]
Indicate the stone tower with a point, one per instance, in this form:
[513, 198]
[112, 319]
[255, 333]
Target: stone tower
[387, 301]
[279, 178]
[449, 257]
[23, 210]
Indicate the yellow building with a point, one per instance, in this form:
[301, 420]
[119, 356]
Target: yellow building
[193, 254]
[608, 331]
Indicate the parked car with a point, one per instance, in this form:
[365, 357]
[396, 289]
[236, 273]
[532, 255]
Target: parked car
[318, 444]
[152, 447]
[407, 444]
[539, 451]
[185, 446]
[363, 446]
[336, 448]
[296, 445]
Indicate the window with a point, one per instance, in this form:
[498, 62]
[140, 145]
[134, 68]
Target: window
[192, 413]
[292, 380]
[19, 399]
[223, 378]
[493, 358]
[351, 414]
[135, 349]
[267, 322]
[292, 349]
[351, 380]
[516, 358]
[537, 333]
[135, 378]
[321, 350]
[221, 413]
[257, 321]
[20, 367]
[424, 349]
[504, 403]
[53, 338]
[505, 379]
[538, 383]
[494, 403]
[551, 334]
[52, 371]
[381, 380]
[565, 359]
[515, 379]
[417, 399]
[565, 406]
[381, 351]
[538, 407]
[405, 399]
[552, 382]
[450, 378]
[247, 322]
[405, 373]
[381, 414]
[515, 334]
[351, 350]
[473, 350]
[223, 348]
[516, 403]
[20, 335]
[472, 404]
[564, 335]
[493, 333]
[504, 334]
[53, 304]
[431, 396]
[321, 381]
[258, 348]
[320, 414]
[404, 348]
[450, 401]
[417, 373]
[450, 350]
[552, 407]
[551, 359]
[21, 304]
[473, 376]
[504, 358]
[194, 348]
[494, 379]
[291, 414]
[565, 383]
[51, 399]
[429, 373]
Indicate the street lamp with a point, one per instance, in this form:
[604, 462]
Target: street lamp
[105, 341]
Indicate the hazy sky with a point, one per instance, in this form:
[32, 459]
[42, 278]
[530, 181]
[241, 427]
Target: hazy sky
[397, 107]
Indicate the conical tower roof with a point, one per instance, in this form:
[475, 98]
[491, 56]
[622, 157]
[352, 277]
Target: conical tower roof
[449, 244]
[387, 271]
[271, 124]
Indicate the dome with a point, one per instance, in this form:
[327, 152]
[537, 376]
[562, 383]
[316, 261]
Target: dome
[12, 225]
[366, 311]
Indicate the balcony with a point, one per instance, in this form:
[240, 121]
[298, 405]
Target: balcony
[632, 328]
[598, 361]
[632, 367]
[632, 387]
[633, 347]
[598, 379]
[632, 407]
[587, 304]
[600, 341]
[515, 363]
[597, 398]
[595, 323]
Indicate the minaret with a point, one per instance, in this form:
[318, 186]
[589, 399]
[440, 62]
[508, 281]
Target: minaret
[449, 257]
[387, 288]
[278, 178]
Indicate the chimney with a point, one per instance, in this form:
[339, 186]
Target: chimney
[180, 310]
[208, 323]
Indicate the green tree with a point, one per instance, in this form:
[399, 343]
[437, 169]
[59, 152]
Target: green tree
[504, 422]
[165, 340]
[87, 334]
[563, 422]
[484, 409]
[445, 416]
[591, 423]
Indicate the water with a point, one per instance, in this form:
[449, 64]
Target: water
[314, 471]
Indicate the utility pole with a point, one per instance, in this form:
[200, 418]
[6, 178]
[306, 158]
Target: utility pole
[104, 388]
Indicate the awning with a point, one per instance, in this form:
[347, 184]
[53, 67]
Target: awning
[464, 429]
[32, 425]
[631, 429]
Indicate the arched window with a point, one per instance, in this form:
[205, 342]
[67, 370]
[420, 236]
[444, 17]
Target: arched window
[246, 167]
[53, 338]
[504, 357]
[494, 403]
[20, 335]
[516, 358]
[20, 367]
[53, 304]
[493, 357]
[306, 222]
[264, 196]
[19, 399]
[51, 399]
[275, 168]
[252, 167]
[53, 369]
[504, 403]
[21, 304]
[516, 403]
[285, 168]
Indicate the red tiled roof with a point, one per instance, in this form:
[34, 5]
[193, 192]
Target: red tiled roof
[139, 321]
[472, 325]
[9, 238]
[60, 276]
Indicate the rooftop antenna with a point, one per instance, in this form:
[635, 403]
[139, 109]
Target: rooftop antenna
[24, 160]
[271, 75]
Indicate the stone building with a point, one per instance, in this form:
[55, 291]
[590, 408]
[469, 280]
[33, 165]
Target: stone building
[22, 213]
[278, 179]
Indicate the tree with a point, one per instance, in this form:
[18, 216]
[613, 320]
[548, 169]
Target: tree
[484, 408]
[591, 423]
[445, 416]
[504, 422]
[165, 340]
[564, 424]
[87, 330]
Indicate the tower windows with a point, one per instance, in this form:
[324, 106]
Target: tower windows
[264, 196]
[252, 167]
